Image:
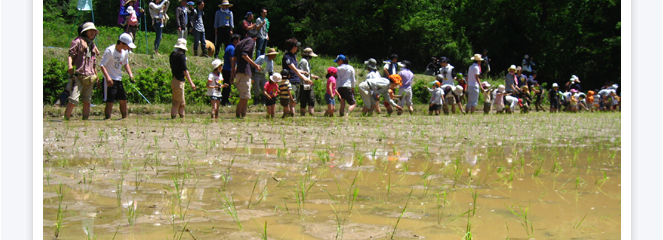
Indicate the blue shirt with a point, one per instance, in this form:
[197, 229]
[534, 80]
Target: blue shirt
[227, 55]
[224, 18]
[289, 58]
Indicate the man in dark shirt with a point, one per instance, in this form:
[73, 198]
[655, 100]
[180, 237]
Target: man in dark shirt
[242, 71]
[296, 79]
[180, 71]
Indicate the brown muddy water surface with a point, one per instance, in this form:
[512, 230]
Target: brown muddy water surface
[542, 176]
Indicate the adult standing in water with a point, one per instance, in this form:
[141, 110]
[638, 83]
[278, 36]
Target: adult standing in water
[82, 61]
[345, 84]
[242, 72]
[180, 73]
[307, 95]
[406, 88]
[297, 78]
[226, 72]
[223, 28]
[473, 83]
[157, 10]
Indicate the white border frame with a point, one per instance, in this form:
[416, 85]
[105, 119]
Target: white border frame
[38, 120]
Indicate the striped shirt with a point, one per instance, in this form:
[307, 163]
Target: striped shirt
[284, 89]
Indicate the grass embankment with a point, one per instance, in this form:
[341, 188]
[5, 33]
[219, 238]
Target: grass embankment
[199, 69]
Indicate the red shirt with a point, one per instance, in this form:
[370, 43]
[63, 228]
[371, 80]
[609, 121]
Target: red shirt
[272, 89]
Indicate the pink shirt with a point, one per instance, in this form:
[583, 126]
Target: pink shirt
[272, 89]
[83, 63]
[331, 81]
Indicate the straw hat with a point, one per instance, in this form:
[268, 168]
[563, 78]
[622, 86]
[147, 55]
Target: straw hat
[217, 63]
[89, 26]
[512, 67]
[271, 51]
[309, 52]
[129, 1]
[276, 77]
[181, 44]
[372, 63]
[476, 57]
[225, 3]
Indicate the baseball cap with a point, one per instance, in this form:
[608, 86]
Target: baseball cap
[126, 38]
[340, 57]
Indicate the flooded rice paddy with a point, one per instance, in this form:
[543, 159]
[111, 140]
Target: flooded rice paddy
[542, 176]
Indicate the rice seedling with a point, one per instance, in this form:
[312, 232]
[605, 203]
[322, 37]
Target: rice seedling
[131, 212]
[353, 190]
[402, 212]
[339, 223]
[119, 185]
[474, 193]
[578, 224]
[600, 181]
[253, 191]
[440, 208]
[468, 228]
[229, 207]
[60, 191]
[302, 188]
[523, 217]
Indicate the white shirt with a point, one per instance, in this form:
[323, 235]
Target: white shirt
[156, 10]
[373, 74]
[448, 78]
[214, 80]
[113, 61]
[472, 75]
[346, 76]
[436, 96]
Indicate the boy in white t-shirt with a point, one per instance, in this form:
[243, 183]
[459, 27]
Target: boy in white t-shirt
[214, 85]
[115, 56]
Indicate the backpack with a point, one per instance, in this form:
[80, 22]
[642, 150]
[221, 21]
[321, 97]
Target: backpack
[132, 19]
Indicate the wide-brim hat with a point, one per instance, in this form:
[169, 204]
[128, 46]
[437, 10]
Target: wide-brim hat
[271, 51]
[181, 44]
[458, 90]
[400, 64]
[501, 88]
[225, 3]
[276, 77]
[128, 1]
[217, 63]
[371, 63]
[309, 52]
[512, 67]
[476, 57]
[89, 26]
[130, 9]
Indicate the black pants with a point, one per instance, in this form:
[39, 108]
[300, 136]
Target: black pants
[222, 39]
[225, 92]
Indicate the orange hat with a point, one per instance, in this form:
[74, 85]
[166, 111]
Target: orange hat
[395, 78]
[590, 93]
[438, 84]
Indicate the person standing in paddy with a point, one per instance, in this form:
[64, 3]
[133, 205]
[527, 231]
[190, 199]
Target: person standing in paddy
[406, 89]
[473, 83]
[228, 59]
[180, 72]
[307, 95]
[297, 77]
[83, 69]
[345, 84]
[223, 28]
[241, 72]
[370, 90]
[214, 85]
[116, 56]
[259, 79]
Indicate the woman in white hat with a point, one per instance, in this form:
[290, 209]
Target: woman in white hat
[180, 72]
[214, 85]
[307, 95]
[83, 55]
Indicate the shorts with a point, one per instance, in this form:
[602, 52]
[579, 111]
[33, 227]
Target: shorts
[295, 90]
[306, 97]
[486, 107]
[243, 85]
[450, 100]
[329, 99]
[285, 102]
[212, 98]
[407, 97]
[270, 102]
[554, 104]
[178, 91]
[82, 88]
[472, 96]
[115, 92]
[435, 107]
[347, 95]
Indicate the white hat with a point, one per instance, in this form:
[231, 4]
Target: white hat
[458, 90]
[130, 10]
[555, 85]
[485, 84]
[181, 44]
[126, 38]
[216, 63]
[501, 88]
[526, 56]
[371, 63]
[400, 64]
[276, 77]
[476, 57]
[89, 26]
[512, 67]
[309, 52]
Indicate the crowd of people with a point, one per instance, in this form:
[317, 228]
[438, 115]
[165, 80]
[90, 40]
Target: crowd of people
[391, 87]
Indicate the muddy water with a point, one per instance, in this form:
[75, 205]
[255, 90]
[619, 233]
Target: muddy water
[317, 178]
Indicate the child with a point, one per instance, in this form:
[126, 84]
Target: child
[132, 22]
[582, 101]
[498, 95]
[525, 98]
[553, 97]
[452, 96]
[331, 91]
[487, 97]
[116, 56]
[538, 92]
[463, 84]
[436, 99]
[214, 85]
[285, 93]
[573, 101]
[590, 100]
[271, 92]
[512, 101]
